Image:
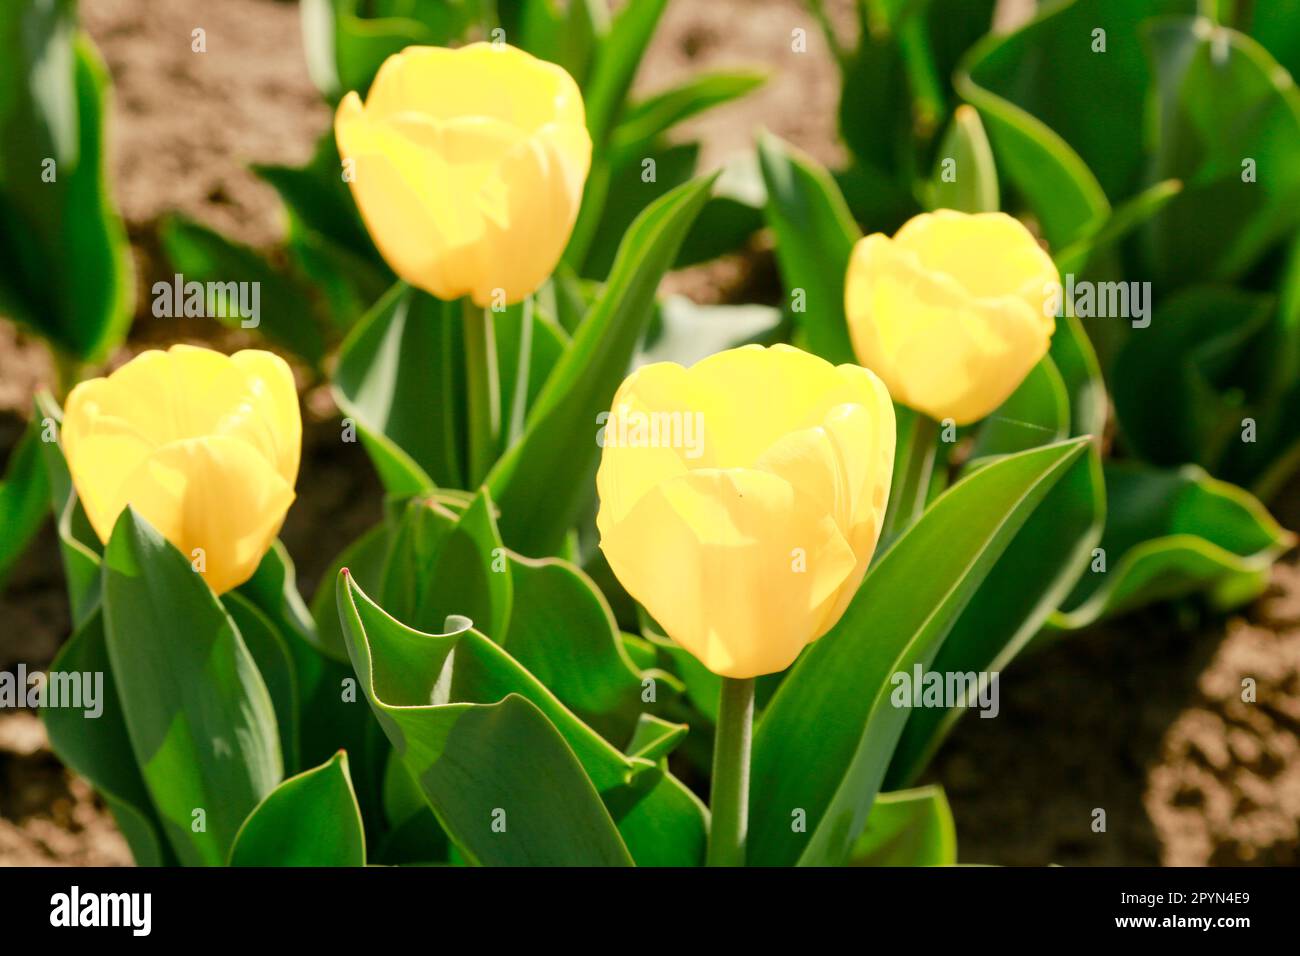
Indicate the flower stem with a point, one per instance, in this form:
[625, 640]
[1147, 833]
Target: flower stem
[519, 401]
[483, 383]
[907, 497]
[729, 800]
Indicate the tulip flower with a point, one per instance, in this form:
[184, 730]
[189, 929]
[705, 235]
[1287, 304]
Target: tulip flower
[740, 503]
[468, 167]
[951, 312]
[204, 446]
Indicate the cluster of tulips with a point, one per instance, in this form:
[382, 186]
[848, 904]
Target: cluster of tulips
[468, 167]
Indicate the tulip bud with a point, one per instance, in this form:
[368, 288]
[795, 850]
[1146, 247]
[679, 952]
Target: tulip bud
[468, 167]
[951, 312]
[748, 544]
[204, 446]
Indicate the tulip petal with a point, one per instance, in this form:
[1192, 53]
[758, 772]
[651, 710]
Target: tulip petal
[479, 79]
[271, 383]
[990, 254]
[218, 494]
[736, 565]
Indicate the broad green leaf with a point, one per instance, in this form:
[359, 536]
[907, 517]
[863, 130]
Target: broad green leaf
[439, 697]
[1227, 123]
[24, 497]
[479, 764]
[398, 376]
[365, 559]
[1027, 583]
[1072, 70]
[1170, 534]
[541, 481]
[1077, 364]
[562, 630]
[908, 828]
[441, 563]
[1036, 413]
[273, 589]
[815, 234]
[824, 742]
[270, 651]
[1180, 389]
[98, 748]
[284, 310]
[201, 723]
[311, 819]
[65, 264]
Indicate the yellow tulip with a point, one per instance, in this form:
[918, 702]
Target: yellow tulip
[204, 446]
[468, 167]
[741, 499]
[953, 311]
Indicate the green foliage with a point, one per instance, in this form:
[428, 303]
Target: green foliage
[65, 266]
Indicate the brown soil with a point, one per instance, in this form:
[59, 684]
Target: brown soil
[1142, 718]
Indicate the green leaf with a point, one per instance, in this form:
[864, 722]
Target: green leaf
[270, 651]
[79, 546]
[65, 264]
[479, 764]
[1075, 360]
[655, 738]
[1123, 220]
[617, 59]
[825, 739]
[284, 310]
[562, 630]
[541, 481]
[1036, 413]
[398, 377]
[1027, 583]
[479, 732]
[201, 722]
[1170, 534]
[365, 559]
[440, 564]
[1221, 103]
[646, 120]
[815, 234]
[1180, 388]
[24, 497]
[1058, 73]
[99, 749]
[908, 828]
[309, 820]
[965, 177]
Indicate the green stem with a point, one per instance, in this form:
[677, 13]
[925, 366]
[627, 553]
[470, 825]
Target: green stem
[483, 384]
[729, 800]
[908, 495]
[519, 401]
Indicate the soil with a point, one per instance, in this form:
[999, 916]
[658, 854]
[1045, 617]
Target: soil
[1142, 718]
